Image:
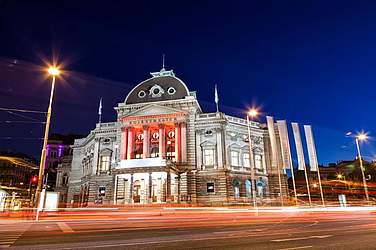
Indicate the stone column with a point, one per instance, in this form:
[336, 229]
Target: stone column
[177, 142]
[116, 189]
[183, 139]
[219, 149]
[179, 186]
[168, 187]
[123, 143]
[96, 156]
[193, 187]
[150, 188]
[131, 190]
[198, 151]
[145, 143]
[130, 143]
[162, 142]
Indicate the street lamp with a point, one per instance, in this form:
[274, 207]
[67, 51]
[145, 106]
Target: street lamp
[54, 72]
[252, 113]
[362, 137]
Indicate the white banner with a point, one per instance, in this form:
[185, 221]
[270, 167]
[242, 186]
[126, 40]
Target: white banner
[311, 147]
[285, 144]
[298, 145]
[273, 141]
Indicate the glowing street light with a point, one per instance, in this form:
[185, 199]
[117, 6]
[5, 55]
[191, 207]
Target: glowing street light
[252, 113]
[339, 176]
[362, 137]
[52, 71]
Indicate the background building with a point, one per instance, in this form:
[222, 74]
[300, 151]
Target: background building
[164, 148]
[58, 147]
[343, 177]
[18, 178]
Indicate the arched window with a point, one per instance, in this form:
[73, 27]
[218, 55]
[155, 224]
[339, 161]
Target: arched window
[260, 187]
[248, 188]
[236, 185]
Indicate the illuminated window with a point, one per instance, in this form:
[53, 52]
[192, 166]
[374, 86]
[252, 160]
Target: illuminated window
[246, 160]
[105, 164]
[138, 152]
[208, 157]
[258, 162]
[154, 152]
[170, 153]
[234, 158]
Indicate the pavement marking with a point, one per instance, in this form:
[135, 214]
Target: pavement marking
[304, 238]
[313, 224]
[11, 233]
[64, 227]
[293, 248]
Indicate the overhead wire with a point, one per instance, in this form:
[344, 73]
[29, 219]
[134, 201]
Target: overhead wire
[35, 122]
[22, 110]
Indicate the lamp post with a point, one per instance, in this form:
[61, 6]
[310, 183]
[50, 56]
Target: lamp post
[252, 113]
[362, 137]
[52, 71]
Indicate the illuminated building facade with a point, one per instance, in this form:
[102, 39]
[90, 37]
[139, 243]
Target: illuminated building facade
[164, 149]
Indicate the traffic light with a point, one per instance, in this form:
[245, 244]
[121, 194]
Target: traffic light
[34, 179]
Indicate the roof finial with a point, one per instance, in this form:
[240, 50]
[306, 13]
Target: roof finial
[163, 61]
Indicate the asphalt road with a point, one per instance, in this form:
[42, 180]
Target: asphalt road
[194, 229]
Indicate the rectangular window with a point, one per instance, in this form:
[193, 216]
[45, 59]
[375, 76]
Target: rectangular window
[105, 163]
[234, 158]
[210, 187]
[246, 160]
[208, 157]
[258, 162]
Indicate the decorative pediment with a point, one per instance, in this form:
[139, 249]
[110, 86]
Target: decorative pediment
[207, 144]
[155, 110]
[234, 146]
[106, 151]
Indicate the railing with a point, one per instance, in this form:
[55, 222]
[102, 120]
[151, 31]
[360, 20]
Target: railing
[106, 125]
[208, 115]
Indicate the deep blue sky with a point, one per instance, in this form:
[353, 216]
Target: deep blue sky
[306, 61]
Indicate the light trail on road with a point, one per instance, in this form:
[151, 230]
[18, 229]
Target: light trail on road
[212, 229]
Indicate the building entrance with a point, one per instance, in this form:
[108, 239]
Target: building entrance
[137, 192]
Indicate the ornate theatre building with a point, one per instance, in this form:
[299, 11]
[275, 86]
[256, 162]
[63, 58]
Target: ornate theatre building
[164, 149]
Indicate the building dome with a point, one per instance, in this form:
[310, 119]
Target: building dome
[162, 86]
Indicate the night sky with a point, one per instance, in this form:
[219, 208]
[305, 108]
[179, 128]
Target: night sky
[311, 62]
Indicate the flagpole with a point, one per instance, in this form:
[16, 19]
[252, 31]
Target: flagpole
[292, 175]
[313, 157]
[286, 152]
[274, 149]
[322, 194]
[307, 183]
[293, 181]
[100, 111]
[300, 154]
[280, 183]
[216, 99]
